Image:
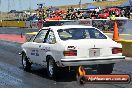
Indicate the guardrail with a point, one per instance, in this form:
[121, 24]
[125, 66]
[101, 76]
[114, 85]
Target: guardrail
[21, 24]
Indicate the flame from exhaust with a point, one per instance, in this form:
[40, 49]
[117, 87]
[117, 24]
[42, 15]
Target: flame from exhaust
[81, 71]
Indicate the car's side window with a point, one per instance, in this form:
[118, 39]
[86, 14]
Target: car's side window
[99, 35]
[96, 34]
[40, 36]
[51, 38]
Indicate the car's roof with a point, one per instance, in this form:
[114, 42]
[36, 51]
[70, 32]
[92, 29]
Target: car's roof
[67, 26]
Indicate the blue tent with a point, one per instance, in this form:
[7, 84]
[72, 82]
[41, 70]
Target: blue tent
[53, 8]
[91, 7]
[129, 3]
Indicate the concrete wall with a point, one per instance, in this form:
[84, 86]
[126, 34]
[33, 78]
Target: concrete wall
[20, 24]
[126, 47]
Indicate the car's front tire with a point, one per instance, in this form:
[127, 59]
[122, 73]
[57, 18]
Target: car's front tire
[52, 68]
[25, 63]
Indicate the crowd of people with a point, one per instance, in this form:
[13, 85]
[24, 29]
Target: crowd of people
[76, 14]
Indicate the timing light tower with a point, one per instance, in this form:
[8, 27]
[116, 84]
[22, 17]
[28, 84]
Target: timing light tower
[130, 1]
[80, 4]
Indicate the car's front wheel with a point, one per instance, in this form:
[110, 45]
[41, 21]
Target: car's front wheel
[52, 68]
[25, 63]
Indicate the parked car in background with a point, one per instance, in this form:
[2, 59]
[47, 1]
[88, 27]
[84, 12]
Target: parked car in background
[115, 10]
[103, 14]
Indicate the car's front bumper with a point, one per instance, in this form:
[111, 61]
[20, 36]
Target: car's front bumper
[91, 61]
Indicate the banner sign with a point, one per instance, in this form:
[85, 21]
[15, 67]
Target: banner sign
[112, 78]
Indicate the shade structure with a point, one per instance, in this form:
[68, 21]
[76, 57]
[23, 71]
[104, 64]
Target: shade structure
[91, 7]
[53, 8]
[128, 3]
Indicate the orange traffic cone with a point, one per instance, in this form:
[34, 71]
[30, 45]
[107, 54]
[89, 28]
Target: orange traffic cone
[116, 33]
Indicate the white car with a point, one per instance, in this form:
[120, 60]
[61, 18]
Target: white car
[71, 46]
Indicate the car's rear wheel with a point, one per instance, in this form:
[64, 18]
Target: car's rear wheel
[105, 68]
[52, 68]
[25, 63]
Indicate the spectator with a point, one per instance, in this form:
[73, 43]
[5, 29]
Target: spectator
[112, 16]
[74, 16]
[68, 16]
[122, 13]
[116, 13]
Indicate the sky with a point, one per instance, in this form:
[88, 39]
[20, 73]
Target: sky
[7, 5]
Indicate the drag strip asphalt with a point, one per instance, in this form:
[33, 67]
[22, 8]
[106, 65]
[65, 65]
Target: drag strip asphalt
[13, 76]
[18, 31]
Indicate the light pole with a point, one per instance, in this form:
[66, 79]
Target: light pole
[8, 9]
[80, 5]
[0, 11]
[30, 6]
[8, 5]
[130, 1]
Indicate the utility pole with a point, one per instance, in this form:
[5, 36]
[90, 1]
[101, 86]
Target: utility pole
[20, 8]
[0, 11]
[8, 9]
[130, 1]
[80, 4]
[8, 5]
[30, 6]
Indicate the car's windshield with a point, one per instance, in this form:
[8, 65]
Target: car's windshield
[80, 33]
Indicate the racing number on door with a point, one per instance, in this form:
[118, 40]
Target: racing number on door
[35, 52]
